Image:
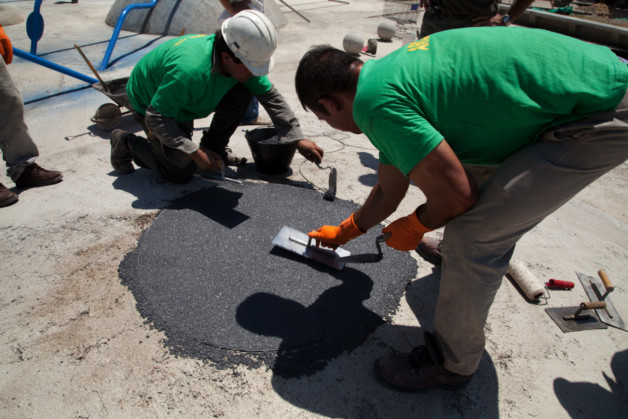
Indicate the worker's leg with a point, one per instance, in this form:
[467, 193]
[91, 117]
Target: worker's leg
[172, 165]
[529, 186]
[227, 117]
[436, 22]
[18, 148]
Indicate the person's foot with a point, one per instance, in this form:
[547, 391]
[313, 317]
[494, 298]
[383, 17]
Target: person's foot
[418, 370]
[34, 175]
[258, 121]
[229, 158]
[7, 197]
[430, 249]
[121, 159]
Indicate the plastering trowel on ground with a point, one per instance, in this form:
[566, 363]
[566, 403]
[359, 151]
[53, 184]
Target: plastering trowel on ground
[300, 243]
[597, 290]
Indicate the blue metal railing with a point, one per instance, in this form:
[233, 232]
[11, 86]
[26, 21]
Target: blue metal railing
[53, 66]
[116, 31]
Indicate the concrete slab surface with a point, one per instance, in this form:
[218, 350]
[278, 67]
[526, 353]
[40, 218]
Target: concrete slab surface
[73, 342]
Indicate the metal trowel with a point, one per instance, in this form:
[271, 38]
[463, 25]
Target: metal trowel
[300, 243]
[573, 319]
[598, 289]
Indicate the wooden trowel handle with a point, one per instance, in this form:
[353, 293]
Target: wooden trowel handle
[592, 305]
[607, 282]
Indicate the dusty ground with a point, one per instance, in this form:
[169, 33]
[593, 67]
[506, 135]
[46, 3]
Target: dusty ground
[73, 345]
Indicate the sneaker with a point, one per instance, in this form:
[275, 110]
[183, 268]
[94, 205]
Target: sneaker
[229, 158]
[121, 159]
[430, 249]
[419, 370]
[34, 175]
[7, 197]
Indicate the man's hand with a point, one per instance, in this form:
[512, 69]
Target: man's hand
[334, 236]
[310, 151]
[207, 160]
[406, 232]
[6, 49]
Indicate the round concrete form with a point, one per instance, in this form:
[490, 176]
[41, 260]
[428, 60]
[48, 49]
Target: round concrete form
[174, 17]
[207, 274]
[353, 43]
[386, 31]
[9, 16]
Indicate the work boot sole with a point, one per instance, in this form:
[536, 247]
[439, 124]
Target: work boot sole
[9, 201]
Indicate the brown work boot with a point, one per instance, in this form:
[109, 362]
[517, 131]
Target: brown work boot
[34, 176]
[7, 197]
[419, 370]
[121, 159]
[430, 249]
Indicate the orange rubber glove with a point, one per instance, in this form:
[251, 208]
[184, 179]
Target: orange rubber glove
[406, 232]
[332, 236]
[6, 49]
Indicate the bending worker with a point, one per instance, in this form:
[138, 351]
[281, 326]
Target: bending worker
[190, 77]
[496, 141]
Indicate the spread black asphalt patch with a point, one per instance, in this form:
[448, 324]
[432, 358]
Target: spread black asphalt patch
[207, 274]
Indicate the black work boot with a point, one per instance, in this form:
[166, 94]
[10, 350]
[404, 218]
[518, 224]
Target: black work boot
[121, 159]
[7, 197]
[35, 175]
[419, 370]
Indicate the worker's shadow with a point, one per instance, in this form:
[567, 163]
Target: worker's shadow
[314, 335]
[581, 399]
[348, 386]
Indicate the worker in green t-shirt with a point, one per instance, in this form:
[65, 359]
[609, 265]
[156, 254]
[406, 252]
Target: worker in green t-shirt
[192, 76]
[498, 127]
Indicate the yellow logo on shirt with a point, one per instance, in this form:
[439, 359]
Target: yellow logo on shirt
[422, 44]
[182, 40]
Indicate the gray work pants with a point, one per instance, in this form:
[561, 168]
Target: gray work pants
[526, 188]
[174, 165]
[18, 149]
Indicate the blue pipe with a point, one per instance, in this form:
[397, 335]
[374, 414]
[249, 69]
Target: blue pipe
[53, 66]
[116, 31]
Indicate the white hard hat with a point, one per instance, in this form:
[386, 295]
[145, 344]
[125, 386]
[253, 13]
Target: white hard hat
[251, 36]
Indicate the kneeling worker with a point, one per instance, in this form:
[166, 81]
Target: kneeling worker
[190, 77]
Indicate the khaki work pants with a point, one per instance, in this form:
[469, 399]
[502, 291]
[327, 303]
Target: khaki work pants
[526, 188]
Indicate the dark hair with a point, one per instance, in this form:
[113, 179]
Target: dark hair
[324, 70]
[221, 46]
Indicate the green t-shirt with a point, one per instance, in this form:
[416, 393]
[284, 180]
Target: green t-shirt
[176, 80]
[487, 91]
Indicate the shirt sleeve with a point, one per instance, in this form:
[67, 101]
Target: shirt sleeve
[401, 134]
[283, 118]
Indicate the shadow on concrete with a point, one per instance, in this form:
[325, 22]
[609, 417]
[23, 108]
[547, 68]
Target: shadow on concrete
[151, 191]
[370, 161]
[350, 388]
[587, 400]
